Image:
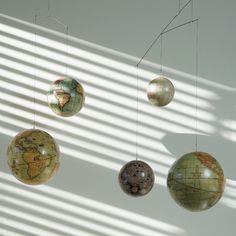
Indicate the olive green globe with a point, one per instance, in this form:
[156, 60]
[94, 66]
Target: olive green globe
[136, 178]
[66, 97]
[160, 91]
[33, 156]
[196, 181]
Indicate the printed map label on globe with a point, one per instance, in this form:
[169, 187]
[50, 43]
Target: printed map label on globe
[66, 96]
[196, 181]
[33, 156]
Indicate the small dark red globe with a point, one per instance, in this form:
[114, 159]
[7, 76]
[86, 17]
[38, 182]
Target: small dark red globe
[136, 178]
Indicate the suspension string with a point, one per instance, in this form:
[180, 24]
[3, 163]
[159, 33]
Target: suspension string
[67, 49]
[196, 81]
[137, 110]
[179, 6]
[49, 6]
[55, 19]
[34, 116]
[191, 10]
[161, 56]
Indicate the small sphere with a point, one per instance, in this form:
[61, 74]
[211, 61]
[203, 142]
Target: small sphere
[196, 181]
[160, 91]
[66, 96]
[33, 156]
[136, 178]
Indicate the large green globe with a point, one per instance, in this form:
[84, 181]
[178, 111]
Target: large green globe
[66, 96]
[196, 181]
[33, 156]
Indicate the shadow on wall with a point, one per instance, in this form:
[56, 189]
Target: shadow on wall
[103, 133]
[64, 213]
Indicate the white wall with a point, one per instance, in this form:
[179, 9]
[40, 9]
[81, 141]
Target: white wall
[107, 38]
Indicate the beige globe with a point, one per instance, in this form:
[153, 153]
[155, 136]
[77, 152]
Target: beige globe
[160, 91]
[33, 156]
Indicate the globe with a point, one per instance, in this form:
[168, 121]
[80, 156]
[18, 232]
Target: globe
[66, 96]
[160, 91]
[196, 181]
[33, 156]
[136, 178]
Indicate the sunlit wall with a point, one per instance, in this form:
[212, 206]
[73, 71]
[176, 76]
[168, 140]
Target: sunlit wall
[84, 197]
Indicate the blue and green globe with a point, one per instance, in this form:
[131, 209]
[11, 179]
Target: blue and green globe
[66, 96]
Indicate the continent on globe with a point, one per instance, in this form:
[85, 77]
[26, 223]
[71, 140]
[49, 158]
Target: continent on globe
[79, 89]
[66, 97]
[36, 162]
[33, 156]
[63, 98]
[196, 181]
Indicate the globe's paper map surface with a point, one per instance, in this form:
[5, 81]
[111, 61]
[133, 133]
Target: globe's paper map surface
[66, 96]
[196, 181]
[33, 156]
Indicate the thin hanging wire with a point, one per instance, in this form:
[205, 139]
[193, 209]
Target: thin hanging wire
[179, 5]
[196, 81]
[66, 27]
[34, 116]
[191, 10]
[161, 56]
[49, 15]
[137, 111]
[67, 49]
[49, 6]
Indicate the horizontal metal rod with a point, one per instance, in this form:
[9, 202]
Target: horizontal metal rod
[178, 26]
[164, 29]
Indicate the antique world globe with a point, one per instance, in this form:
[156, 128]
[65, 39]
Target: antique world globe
[33, 156]
[160, 91]
[66, 96]
[196, 181]
[136, 178]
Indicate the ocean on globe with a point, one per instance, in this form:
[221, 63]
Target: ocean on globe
[196, 181]
[160, 91]
[33, 156]
[66, 96]
[136, 178]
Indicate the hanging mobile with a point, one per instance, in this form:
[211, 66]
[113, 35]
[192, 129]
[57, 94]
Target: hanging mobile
[66, 95]
[196, 181]
[136, 177]
[160, 91]
[33, 155]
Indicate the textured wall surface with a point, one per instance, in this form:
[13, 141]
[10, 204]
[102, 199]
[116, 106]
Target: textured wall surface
[106, 39]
